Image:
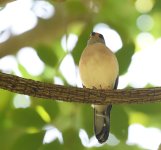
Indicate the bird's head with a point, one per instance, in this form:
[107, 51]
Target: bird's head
[96, 38]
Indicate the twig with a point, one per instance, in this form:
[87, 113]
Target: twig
[81, 95]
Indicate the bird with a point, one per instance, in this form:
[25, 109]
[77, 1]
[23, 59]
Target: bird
[99, 69]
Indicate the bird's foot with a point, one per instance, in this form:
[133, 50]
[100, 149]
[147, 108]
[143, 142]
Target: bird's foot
[101, 115]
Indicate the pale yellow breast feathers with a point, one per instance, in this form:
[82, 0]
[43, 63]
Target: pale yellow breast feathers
[98, 67]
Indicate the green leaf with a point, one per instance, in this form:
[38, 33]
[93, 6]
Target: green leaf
[119, 122]
[120, 146]
[51, 108]
[24, 72]
[8, 137]
[124, 146]
[149, 109]
[72, 140]
[47, 55]
[53, 145]
[27, 118]
[29, 141]
[75, 8]
[87, 119]
[147, 114]
[58, 49]
[82, 42]
[68, 116]
[5, 101]
[5, 108]
[124, 56]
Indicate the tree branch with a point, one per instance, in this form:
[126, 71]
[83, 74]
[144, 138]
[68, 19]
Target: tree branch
[73, 94]
[4, 2]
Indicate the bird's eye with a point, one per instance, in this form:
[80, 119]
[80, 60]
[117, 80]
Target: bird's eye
[93, 33]
[101, 36]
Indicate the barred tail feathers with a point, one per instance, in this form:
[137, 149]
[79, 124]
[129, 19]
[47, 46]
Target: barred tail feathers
[102, 122]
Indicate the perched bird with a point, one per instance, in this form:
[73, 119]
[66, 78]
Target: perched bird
[98, 67]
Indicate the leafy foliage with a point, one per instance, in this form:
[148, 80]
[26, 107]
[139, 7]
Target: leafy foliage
[124, 57]
[47, 55]
[23, 128]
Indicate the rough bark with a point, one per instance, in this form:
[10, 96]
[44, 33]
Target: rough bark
[81, 95]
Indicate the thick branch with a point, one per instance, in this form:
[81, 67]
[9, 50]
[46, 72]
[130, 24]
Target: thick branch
[73, 94]
[4, 2]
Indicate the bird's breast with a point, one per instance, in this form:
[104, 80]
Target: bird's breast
[98, 67]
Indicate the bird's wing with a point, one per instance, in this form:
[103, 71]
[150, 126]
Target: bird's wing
[116, 83]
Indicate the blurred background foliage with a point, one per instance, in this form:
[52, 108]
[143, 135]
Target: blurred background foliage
[43, 40]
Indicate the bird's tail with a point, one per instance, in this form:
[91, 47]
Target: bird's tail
[102, 122]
